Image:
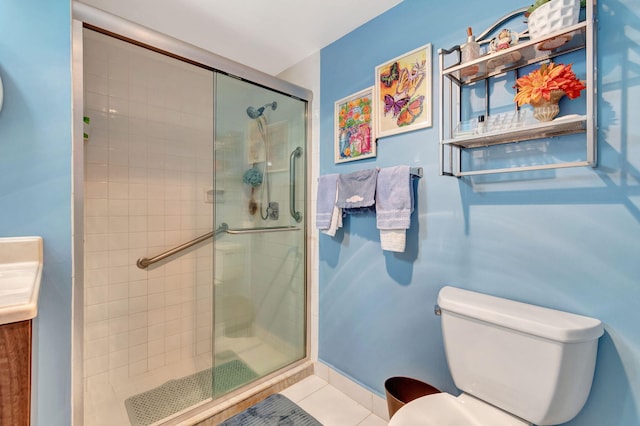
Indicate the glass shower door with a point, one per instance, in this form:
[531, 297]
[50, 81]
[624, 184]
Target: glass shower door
[259, 253]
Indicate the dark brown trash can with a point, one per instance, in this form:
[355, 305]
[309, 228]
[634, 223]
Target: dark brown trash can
[401, 390]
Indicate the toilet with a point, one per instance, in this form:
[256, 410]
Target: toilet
[516, 364]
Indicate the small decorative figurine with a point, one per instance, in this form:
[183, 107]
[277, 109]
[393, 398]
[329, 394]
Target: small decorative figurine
[505, 39]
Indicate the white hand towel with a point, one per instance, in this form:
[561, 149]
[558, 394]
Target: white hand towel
[393, 239]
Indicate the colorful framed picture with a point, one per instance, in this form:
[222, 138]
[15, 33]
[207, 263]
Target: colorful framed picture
[403, 94]
[354, 130]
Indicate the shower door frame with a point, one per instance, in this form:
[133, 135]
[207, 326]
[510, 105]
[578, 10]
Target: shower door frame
[85, 16]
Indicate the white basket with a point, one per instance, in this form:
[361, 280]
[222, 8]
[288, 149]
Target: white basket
[553, 16]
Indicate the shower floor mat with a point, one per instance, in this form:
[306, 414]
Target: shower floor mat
[272, 411]
[176, 395]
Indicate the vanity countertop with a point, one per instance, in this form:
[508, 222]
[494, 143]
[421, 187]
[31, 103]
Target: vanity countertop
[20, 276]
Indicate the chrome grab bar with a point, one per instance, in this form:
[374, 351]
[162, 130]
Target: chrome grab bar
[144, 262]
[297, 216]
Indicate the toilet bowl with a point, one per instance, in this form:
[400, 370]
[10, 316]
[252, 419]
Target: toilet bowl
[444, 409]
[516, 364]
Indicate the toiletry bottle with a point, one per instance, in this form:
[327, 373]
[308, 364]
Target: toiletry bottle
[481, 127]
[470, 51]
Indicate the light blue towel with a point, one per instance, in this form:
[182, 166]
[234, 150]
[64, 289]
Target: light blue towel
[394, 198]
[327, 187]
[357, 189]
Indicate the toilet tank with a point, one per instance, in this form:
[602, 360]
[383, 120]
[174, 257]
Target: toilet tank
[533, 362]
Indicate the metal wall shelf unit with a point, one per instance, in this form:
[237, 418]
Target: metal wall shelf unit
[455, 76]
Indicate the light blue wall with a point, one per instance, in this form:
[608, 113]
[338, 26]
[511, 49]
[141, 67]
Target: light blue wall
[568, 239]
[35, 178]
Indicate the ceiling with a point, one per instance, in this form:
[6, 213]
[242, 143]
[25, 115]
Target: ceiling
[268, 35]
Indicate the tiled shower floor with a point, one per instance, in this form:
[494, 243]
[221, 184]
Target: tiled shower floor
[105, 405]
[104, 402]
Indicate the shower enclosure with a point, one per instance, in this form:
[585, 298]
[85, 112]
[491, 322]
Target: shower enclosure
[194, 225]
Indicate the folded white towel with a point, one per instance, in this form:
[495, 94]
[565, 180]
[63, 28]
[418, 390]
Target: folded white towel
[326, 199]
[393, 239]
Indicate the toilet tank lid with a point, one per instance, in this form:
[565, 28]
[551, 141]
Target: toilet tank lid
[548, 323]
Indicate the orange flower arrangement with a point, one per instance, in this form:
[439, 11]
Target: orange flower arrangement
[540, 84]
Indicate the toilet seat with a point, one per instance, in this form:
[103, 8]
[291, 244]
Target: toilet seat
[443, 409]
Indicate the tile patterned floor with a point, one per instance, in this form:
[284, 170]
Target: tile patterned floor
[330, 406]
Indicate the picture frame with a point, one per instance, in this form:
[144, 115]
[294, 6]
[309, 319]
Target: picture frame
[354, 129]
[403, 93]
[278, 139]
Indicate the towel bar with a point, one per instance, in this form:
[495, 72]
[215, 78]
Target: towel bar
[416, 171]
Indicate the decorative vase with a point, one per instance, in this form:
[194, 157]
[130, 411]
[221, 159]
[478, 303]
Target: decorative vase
[547, 110]
[551, 17]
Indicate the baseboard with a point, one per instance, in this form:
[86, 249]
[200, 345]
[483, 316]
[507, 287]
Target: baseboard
[363, 396]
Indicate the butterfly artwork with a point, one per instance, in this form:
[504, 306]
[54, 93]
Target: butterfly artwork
[402, 93]
[393, 105]
[406, 110]
[411, 111]
[410, 79]
[387, 78]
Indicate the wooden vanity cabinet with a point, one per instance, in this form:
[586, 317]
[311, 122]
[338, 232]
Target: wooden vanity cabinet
[15, 373]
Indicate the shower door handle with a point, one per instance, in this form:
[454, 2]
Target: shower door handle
[292, 184]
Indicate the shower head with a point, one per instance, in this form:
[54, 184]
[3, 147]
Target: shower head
[257, 112]
[254, 113]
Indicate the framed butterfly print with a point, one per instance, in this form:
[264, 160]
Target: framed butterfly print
[403, 93]
[354, 130]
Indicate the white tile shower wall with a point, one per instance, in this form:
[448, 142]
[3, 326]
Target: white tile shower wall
[148, 160]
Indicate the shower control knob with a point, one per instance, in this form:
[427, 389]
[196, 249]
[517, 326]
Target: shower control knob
[273, 210]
